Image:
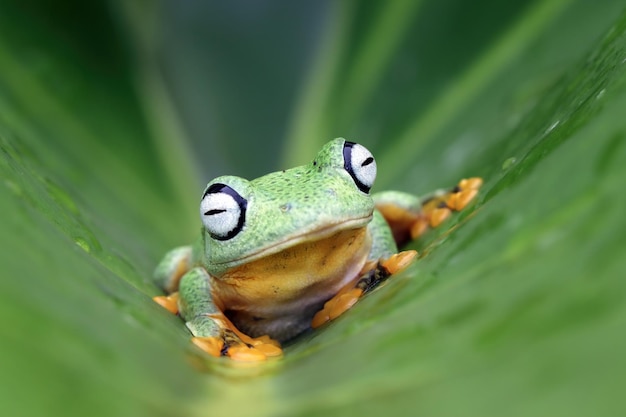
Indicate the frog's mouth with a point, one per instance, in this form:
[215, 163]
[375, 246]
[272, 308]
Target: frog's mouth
[301, 236]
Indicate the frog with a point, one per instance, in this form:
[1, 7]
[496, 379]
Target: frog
[292, 250]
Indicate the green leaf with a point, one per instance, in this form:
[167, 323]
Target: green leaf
[112, 115]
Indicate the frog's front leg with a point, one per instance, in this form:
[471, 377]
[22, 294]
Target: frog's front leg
[409, 216]
[167, 276]
[212, 330]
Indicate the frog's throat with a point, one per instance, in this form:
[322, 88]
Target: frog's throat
[303, 235]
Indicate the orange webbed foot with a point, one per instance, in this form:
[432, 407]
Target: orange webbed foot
[466, 190]
[236, 345]
[211, 345]
[243, 353]
[399, 261]
[238, 351]
[258, 350]
[265, 344]
[439, 208]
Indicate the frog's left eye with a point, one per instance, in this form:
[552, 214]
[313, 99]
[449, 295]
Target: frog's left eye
[360, 164]
[223, 211]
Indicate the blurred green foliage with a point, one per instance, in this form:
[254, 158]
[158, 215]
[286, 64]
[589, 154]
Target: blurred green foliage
[113, 114]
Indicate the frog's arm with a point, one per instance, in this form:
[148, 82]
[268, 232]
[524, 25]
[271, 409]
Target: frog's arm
[409, 216]
[212, 330]
[172, 267]
[168, 273]
[189, 294]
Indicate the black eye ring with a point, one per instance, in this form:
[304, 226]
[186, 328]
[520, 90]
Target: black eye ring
[234, 229]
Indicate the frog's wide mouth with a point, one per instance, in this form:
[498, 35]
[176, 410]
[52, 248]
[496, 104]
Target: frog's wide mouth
[303, 235]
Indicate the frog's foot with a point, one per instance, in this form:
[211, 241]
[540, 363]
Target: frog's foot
[349, 295]
[210, 344]
[243, 348]
[229, 344]
[169, 302]
[438, 208]
[223, 339]
[464, 193]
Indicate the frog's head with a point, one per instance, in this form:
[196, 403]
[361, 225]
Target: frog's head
[248, 220]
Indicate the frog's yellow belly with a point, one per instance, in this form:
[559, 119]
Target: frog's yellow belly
[279, 294]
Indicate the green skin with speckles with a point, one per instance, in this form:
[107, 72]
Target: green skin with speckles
[284, 209]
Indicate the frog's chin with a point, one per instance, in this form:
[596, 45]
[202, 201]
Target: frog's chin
[301, 236]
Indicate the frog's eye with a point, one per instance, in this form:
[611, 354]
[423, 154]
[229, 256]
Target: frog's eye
[360, 164]
[223, 211]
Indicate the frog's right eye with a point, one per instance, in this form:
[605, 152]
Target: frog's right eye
[223, 211]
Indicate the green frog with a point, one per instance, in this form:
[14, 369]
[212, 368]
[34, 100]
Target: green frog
[293, 250]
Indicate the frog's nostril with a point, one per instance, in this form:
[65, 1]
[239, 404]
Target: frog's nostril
[331, 192]
[285, 207]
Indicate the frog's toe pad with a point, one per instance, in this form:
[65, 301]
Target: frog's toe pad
[269, 349]
[419, 227]
[473, 183]
[336, 306]
[266, 345]
[241, 352]
[464, 193]
[244, 353]
[399, 261]
[458, 201]
[264, 340]
[439, 215]
[211, 345]
[169, 302]
[257, 351]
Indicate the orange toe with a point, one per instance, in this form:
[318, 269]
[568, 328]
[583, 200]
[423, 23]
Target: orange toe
[439, 215]
[473, 183]
[211, 345]
[463, 198]
[418, 228]
[344, 302]
[399, 261]
[169, 302]
[244, 353]
[269, 349]
[264, 340]
[320, 318]
[467, 190]
[336, 306]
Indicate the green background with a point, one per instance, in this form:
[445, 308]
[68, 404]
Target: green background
[114, 114]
